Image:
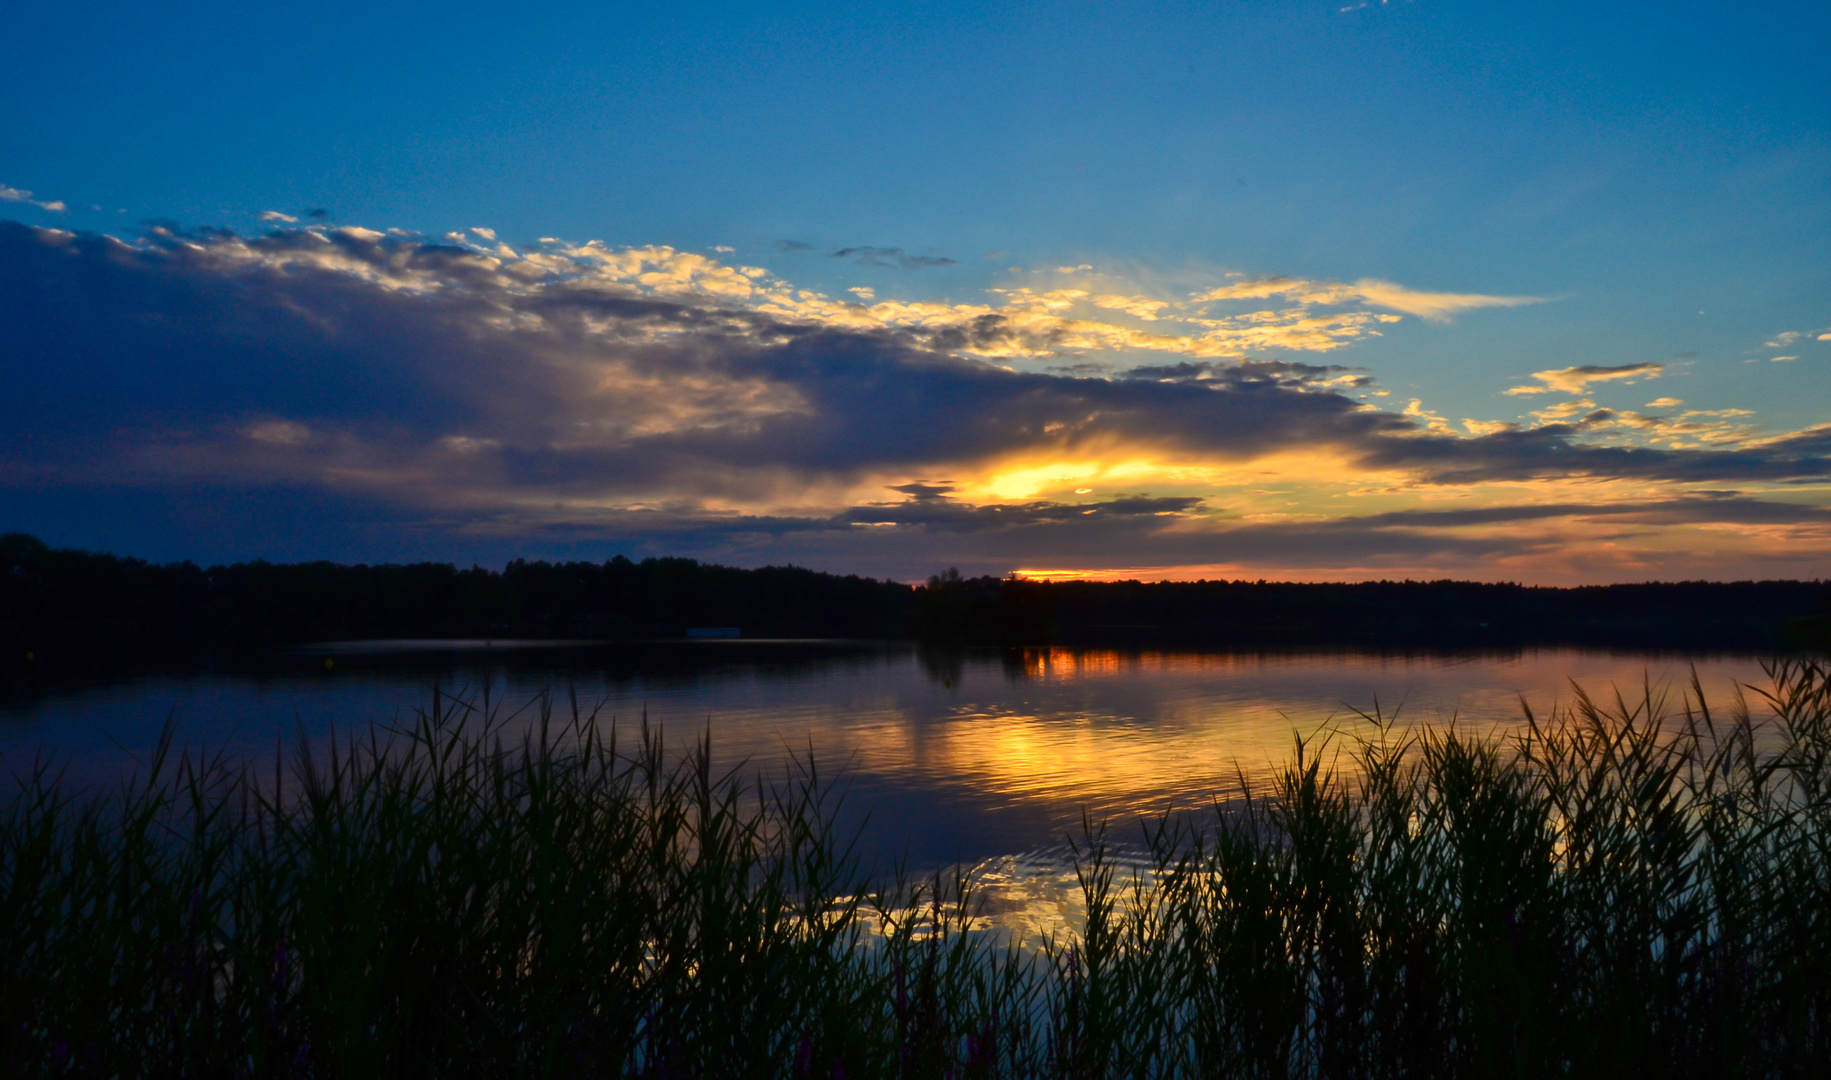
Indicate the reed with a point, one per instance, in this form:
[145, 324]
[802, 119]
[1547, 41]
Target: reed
[1623, 889]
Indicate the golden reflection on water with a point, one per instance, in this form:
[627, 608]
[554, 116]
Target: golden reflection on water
[1033, 900]
[1120, 734]
[1117, 733]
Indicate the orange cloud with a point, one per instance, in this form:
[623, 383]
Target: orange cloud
[1431, 306]
[1576, 380]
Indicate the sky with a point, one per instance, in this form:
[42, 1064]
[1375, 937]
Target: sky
[1303, 291]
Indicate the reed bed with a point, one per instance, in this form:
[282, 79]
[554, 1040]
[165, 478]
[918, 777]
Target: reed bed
[1622, 889]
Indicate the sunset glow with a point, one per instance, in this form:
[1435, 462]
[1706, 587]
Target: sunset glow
[1337, 293]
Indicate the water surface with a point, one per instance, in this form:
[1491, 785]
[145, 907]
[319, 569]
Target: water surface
[956, 756]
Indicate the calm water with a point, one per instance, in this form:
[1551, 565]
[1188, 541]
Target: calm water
[961, 757]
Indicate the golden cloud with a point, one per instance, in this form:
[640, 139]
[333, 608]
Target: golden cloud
[1576, 380]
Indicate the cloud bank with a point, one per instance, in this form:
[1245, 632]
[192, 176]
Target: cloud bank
[335, 388]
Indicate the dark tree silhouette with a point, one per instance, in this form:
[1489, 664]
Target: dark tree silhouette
[79, 601]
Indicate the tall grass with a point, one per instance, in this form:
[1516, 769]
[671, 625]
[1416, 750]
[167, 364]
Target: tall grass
[1623, 889]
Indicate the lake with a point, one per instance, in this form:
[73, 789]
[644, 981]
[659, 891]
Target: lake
[962, 755]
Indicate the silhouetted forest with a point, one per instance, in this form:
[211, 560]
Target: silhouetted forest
[66, 600]
[1743, 615]
[52, 596]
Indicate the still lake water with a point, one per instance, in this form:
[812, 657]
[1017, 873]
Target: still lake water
[960, 757]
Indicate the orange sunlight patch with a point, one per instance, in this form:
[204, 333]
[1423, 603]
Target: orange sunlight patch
[1217, 572]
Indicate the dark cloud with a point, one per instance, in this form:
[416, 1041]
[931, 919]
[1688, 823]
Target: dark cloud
[893, 257]
[924, 491]
[413, 391]
[1122, 532]
[933, 511]
[1286, 372]
[917, 536]
[1553, 451]
[1728, 508]
[1592, 370]
[791, 246]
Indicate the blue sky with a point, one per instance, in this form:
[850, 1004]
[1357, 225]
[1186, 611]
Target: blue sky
[1637, 197]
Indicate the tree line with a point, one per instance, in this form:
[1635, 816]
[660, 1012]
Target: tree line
[1740, 615]
[58, 598]
[64, 596]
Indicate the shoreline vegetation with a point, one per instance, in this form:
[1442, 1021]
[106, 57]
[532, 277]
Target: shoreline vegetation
[1630, 887]
[71, 604]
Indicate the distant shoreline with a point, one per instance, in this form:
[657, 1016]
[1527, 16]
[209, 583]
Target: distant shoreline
[63, 601]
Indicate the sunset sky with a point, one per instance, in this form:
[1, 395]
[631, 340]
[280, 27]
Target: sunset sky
[1316, 291]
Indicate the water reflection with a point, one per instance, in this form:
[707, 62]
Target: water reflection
[945, 755]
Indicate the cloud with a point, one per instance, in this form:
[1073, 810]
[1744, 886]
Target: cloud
[1558, 451]
[680, 369]
[920, 490]
[1781, 341]
[611, 371]
[18, 195]
[1564, 410]
[1431, 306]
[1576, 380]
[1142, 307]
[275, 215]
[1585, 540]
[1033, 323]
[1693, 509]
[279, 433]
[932, 510]
[1664, 403]
[1285, 373]
[579, 393]
[1688, 430]
[893, 257]
[1018, 324]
